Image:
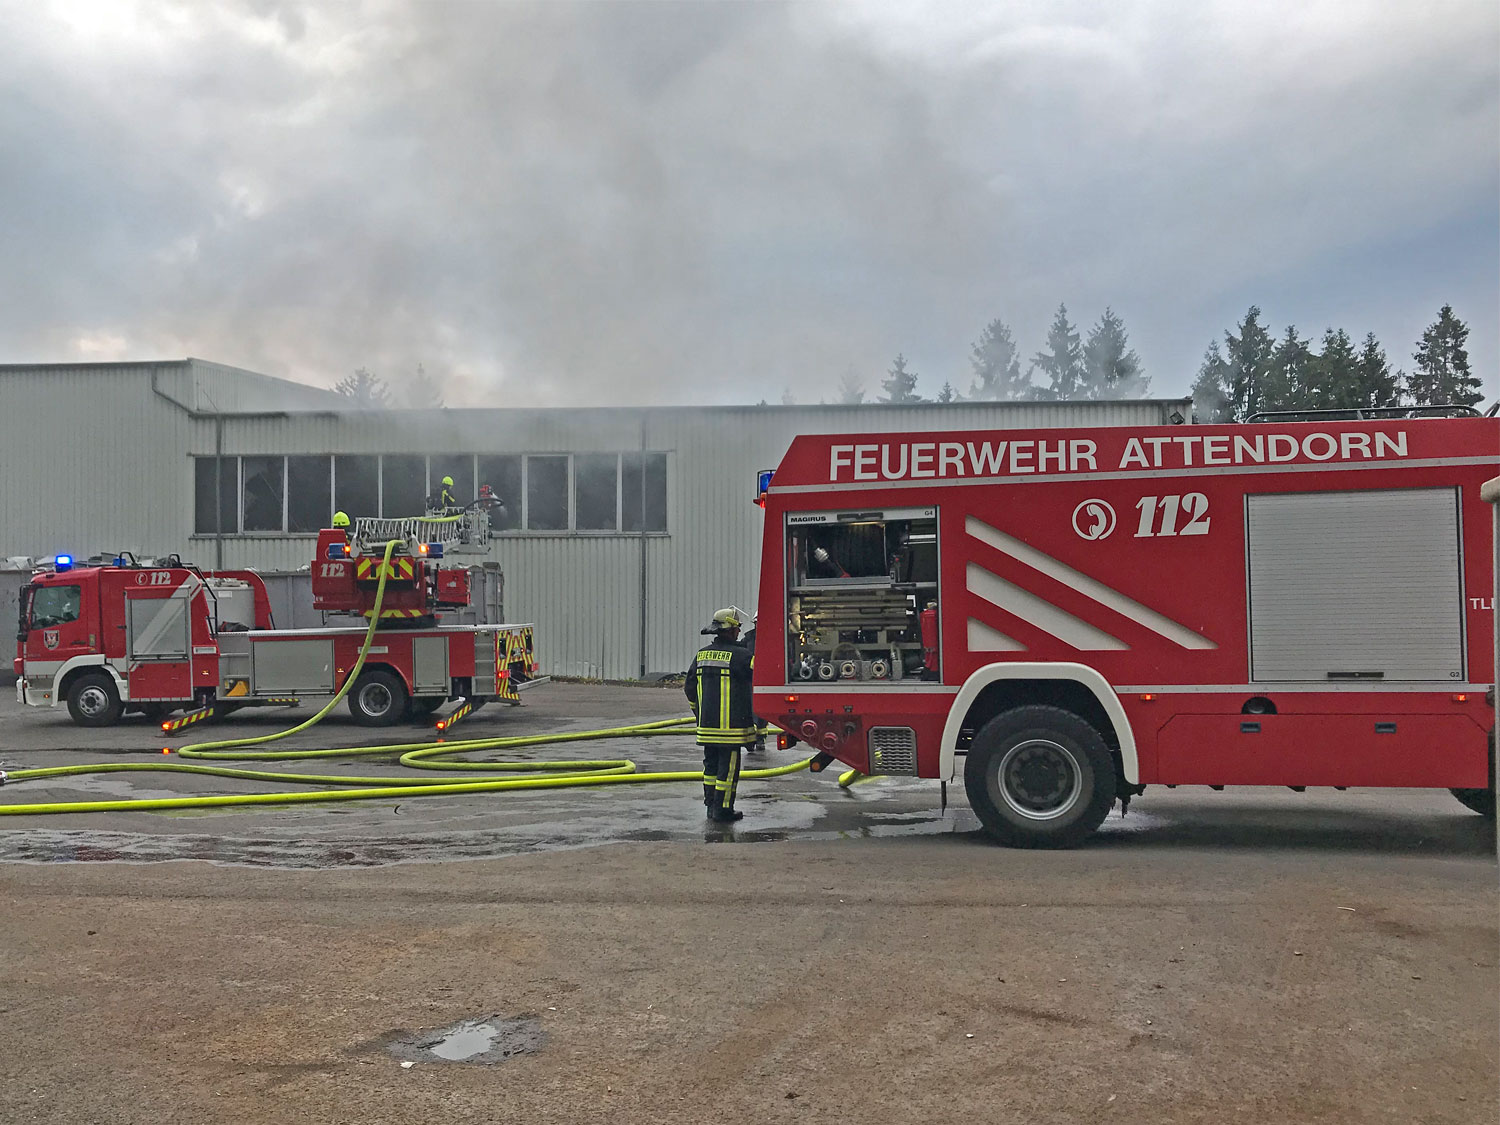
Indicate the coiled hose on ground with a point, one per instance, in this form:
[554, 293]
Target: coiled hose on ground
[428, 756]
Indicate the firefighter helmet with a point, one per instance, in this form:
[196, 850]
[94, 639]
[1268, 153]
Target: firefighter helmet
[340, 520]
[447, 482]
[724, 621]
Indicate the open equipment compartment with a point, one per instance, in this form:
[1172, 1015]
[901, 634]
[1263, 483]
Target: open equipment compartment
[862, 595]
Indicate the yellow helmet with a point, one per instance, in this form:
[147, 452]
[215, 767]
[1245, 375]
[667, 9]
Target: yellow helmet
[447, 482]
[723, 621]
[340, 520]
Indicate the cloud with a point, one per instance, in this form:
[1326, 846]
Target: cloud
[557, 203]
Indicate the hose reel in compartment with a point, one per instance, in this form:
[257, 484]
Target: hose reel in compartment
[858, 585]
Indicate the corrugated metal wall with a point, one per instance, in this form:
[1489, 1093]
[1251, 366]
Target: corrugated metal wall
[93, 460]
[97, 460]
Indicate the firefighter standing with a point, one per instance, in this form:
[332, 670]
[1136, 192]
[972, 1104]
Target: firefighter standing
[718, 687]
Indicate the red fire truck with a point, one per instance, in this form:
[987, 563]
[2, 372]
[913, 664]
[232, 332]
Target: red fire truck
[157, 639]
[1062, 617]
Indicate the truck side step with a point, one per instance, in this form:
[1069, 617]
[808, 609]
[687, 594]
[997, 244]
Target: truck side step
[460, 713]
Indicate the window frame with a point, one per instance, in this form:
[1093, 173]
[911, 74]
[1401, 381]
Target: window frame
[286, 493]
[269, 457]
[522, 530]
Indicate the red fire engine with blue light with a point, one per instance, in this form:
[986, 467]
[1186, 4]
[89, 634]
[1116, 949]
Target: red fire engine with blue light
[1062, 617]
[156, 639]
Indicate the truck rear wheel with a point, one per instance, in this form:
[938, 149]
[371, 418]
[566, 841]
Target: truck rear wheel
[378, 699]
[93, 700]
[1481, 801]
[1039, 777]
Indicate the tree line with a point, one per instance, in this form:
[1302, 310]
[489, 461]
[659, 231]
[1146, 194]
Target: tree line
[419, 391]
[1250, 370]
[1254, 370]
[1098, 366]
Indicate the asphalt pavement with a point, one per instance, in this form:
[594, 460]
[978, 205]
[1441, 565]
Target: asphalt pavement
[864, 956]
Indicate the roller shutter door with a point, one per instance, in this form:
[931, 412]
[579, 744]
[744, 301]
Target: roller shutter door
[1355, 585]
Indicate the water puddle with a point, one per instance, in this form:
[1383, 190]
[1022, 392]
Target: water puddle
[465, 1041]
[483, 1041]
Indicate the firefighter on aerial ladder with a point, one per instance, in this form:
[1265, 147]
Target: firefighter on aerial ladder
[718, 687]
[444, 498]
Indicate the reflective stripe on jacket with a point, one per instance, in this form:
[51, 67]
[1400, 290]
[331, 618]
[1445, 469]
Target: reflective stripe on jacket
[718, 687]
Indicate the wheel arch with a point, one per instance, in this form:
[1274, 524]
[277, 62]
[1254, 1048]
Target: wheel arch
[72, 669]
[383, 666]
[973, 696]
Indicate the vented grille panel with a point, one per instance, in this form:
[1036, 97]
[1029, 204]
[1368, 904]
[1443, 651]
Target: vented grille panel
[893, 750]
[1355, 585]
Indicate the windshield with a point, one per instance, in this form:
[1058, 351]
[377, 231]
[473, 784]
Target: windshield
[55, 605]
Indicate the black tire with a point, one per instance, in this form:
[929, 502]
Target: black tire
[378, 699]
[1039, 777]
[93, 700]
[1481, 801]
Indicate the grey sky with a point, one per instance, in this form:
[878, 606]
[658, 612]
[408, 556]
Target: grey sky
[609, 203]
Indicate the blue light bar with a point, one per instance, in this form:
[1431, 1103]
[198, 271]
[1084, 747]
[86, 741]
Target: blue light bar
[63, 562]
[434, 550]
[763, 481]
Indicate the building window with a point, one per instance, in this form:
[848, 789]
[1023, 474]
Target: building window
[262, 493]
[643, 492]
[224, 517]
[356, 486]
[309, 493]
[547, 493]
[596, 491]
[503, 474]
[458, 466]
[590, 492]
[403, 485]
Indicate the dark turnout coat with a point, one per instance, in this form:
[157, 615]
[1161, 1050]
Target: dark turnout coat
[718, 687]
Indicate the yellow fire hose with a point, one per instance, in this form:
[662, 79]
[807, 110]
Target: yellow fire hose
[416, 755]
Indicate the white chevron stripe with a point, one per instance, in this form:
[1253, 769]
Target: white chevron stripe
[1090, 587]
[984, 639]
[1038, 611]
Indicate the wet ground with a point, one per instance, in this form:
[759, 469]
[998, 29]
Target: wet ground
[604, 956]
[799, 806]
[474, 826]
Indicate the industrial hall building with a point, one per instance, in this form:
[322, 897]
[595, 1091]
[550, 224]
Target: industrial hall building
[624, 527]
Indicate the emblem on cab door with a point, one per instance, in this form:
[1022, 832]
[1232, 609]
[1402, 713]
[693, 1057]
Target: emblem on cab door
[50, 637]
[1094, 519]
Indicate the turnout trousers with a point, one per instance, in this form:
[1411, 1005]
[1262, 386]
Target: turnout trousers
[721, 777]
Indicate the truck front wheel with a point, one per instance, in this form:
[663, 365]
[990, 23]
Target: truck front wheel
[93, 700]
[378, 699]
[1039, 777]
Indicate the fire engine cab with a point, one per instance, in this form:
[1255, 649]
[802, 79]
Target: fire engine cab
[1063, 617]
[156, 639]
